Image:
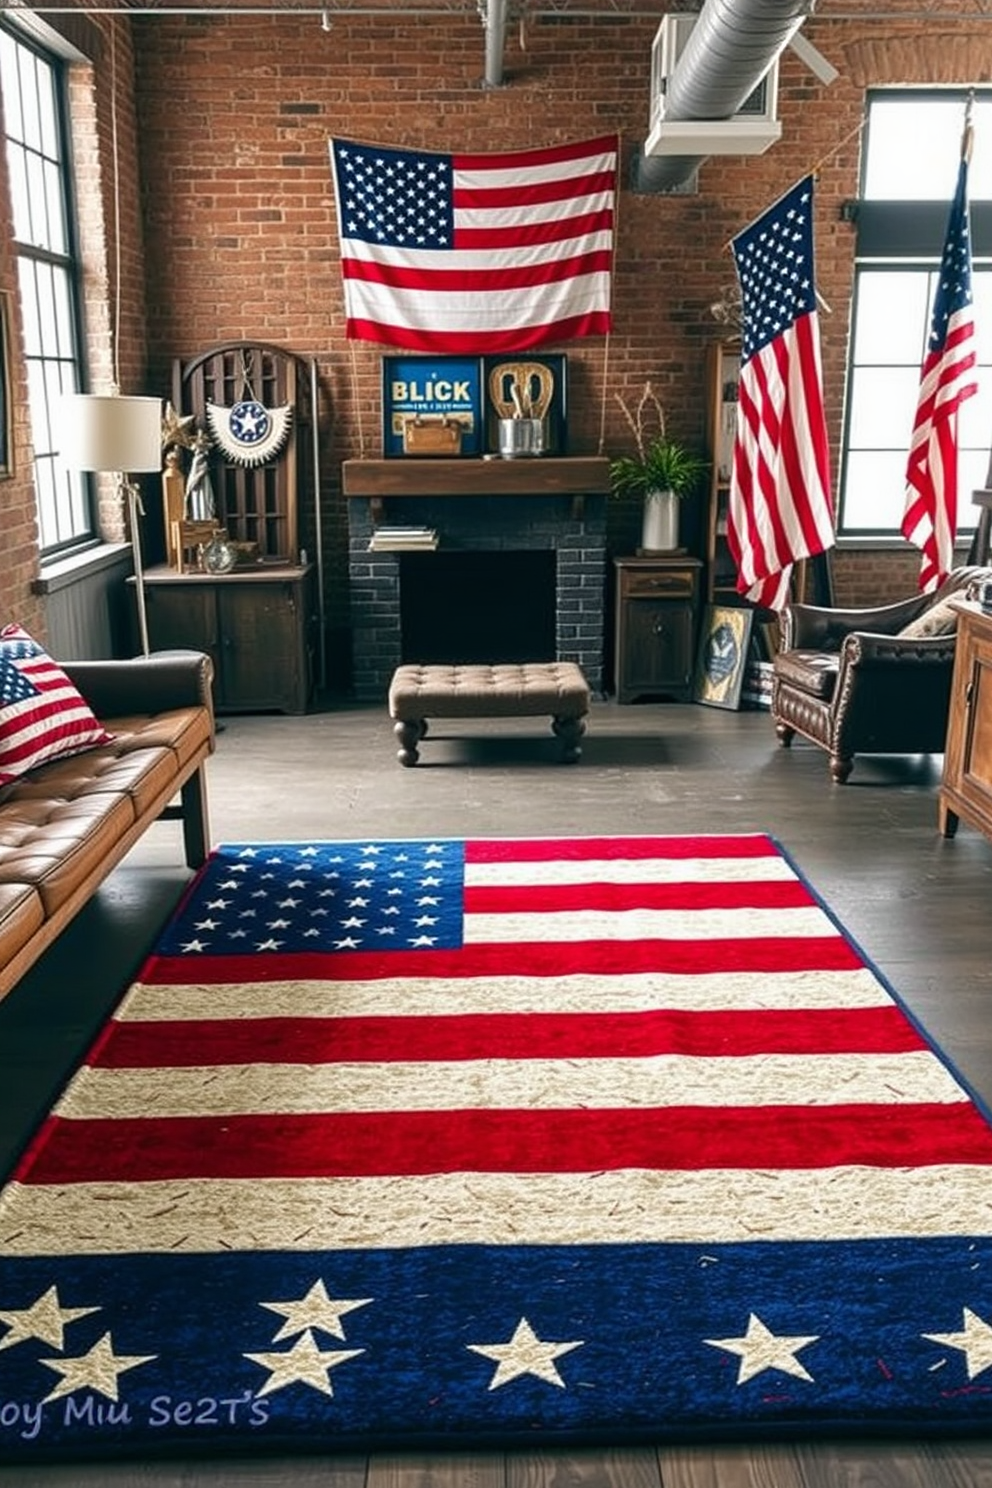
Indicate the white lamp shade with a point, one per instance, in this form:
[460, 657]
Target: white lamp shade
[112, 432]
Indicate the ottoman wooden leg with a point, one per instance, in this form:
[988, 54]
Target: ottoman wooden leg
[569, 731]
[409, 731]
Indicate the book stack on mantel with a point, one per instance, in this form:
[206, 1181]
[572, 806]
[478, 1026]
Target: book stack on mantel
[402, 540]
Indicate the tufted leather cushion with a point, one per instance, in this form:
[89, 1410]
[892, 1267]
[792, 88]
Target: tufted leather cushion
[57, 823]
[68, 822]
[53, 845]
[504, 691]
[814, 672]
[183, 730]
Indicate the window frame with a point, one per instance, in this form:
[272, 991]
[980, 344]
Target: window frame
[67, 519]
[899, 236]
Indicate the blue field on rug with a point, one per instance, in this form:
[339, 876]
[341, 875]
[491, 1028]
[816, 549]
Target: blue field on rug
[406, 1143]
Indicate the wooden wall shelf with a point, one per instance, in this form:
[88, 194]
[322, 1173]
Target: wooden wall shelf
[548, 475]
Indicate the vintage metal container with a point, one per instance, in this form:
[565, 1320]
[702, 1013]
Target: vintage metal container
[521, 437]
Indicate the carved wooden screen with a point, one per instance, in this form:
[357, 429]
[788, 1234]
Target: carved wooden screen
[256, 503]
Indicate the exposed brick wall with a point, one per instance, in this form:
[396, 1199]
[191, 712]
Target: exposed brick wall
[225, 136]
[235, 114]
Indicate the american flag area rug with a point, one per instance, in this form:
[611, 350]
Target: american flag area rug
[503, 1142]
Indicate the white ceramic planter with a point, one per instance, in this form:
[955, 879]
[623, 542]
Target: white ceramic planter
[660, 524]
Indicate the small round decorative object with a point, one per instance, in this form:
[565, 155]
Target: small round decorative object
[219, 556]
[249, 422]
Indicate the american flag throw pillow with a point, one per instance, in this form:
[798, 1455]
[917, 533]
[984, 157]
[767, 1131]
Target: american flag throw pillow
[42, 716]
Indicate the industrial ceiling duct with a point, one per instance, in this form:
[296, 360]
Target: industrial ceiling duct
[728, 52]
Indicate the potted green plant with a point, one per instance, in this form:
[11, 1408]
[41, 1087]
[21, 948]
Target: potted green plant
[661, 473]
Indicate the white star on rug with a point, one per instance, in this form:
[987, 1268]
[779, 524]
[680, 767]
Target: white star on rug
[315, 1310]
[44, 1319]
[304, 1364]
[525, 1354]
[96, 1370]
[761, 1349]
[974, 1341]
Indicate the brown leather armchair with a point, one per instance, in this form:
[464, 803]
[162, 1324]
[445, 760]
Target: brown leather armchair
[850, 682]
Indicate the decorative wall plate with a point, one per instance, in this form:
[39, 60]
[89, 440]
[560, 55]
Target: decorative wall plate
[248, 432]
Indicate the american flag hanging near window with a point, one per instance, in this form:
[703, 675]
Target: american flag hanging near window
[947, 379]
[476, 253]
[780, 507]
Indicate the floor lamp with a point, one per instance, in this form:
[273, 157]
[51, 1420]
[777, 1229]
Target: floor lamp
[120, 435]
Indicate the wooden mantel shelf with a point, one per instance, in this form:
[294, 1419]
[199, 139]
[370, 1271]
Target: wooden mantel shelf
[546, 475]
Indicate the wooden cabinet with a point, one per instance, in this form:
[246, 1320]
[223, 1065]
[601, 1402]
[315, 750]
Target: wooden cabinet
[260, 628]
[966, 788]
[722, 376]
[656, 609]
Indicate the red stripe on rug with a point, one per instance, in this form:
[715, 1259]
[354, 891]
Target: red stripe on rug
[388, 1039]
[759, 893]
[410, 1143]
[553, 959]
[582, 849]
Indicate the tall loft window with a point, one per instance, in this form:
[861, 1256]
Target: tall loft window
[910, 157]
[32, 86]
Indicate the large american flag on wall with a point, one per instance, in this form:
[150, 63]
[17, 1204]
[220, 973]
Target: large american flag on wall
[471, 253]
[780, 509]
[498, 1141]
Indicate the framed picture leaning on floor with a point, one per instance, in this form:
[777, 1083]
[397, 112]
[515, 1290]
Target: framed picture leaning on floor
[722, 657]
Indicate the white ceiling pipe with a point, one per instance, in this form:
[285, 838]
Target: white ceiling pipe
[495, 21]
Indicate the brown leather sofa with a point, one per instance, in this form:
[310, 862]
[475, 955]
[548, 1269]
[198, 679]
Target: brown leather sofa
[67, 824]
[853, 683]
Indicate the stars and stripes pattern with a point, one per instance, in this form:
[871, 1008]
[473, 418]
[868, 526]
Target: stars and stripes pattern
[530, 1139]
[42, 715]
[476, 254]
[780, 509]
[947, 379]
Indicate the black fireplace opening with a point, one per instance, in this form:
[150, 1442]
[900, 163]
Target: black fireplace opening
[475, 608]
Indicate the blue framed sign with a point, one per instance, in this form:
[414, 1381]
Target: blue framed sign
[432, 389]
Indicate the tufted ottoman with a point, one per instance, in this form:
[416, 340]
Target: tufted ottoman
[527, 690]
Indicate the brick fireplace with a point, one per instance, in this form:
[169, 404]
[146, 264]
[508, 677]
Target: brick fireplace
[501, 516]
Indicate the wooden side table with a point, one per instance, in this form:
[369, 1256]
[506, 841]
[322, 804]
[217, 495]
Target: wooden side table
[657, 604]
[966, 787]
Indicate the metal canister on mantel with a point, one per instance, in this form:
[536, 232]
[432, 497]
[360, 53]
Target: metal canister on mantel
[521, 437]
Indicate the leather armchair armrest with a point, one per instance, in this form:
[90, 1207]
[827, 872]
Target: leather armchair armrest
[144, 684]
[823, 628]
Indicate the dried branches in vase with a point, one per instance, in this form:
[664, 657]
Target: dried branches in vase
[661, 463]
